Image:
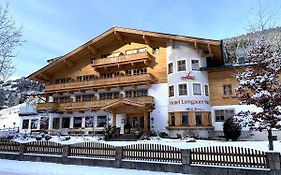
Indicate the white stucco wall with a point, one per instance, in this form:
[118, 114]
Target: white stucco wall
[183, 51]
[160, 113]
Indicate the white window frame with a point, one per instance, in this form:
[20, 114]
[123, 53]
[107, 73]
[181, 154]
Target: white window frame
[169, 91]
[198, 62]
[172, 67]
[208, 90]
[178, 64]
[179, 89]
[193, 89]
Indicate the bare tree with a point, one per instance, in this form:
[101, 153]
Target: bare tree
[259, 83]
[10, 38]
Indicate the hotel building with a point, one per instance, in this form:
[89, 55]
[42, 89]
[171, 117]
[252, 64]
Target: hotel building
[150, 80]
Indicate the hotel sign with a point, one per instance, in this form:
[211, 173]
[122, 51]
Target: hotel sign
[189, 102]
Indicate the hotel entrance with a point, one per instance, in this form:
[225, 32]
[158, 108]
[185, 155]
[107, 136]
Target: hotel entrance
[136, 116]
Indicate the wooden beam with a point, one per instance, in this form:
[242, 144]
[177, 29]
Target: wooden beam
[172, 42]
[210, 51]
[196, 47]
[146, 40]
[93, 50]
[118, 36]
[68, 63]
[44, 76]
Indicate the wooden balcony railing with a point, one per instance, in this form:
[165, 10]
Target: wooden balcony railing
[103, 83]
[122, 59]
[96, 104]
[47, 106]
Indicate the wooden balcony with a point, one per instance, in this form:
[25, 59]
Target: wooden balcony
[102, 83]
[47, 106]
[90, 105]
[140, 58]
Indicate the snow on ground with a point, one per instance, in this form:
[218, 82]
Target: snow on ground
[12, 167]
[182, 144]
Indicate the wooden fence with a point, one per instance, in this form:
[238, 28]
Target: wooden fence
[152, 152]
[215, 155]
[44, 147]
[229, 156]
[91, 149]
[9, 146]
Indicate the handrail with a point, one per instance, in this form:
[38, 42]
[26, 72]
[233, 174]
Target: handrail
[121, 58]
[102, 82]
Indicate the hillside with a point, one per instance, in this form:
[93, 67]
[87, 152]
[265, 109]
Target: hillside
[14, 92]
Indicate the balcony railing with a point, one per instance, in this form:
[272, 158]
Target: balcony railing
[96, 104]
[103, 83]
[122, 59]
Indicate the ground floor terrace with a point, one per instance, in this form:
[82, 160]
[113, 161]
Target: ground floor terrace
[127, 116]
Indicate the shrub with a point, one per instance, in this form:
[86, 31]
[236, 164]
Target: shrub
[178, 136]
[163, 135]
[189, 133]
[231, 129]
[153, 133]
[38, 137]
[48, 137]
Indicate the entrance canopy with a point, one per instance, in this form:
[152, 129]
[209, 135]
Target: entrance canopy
[125, 106]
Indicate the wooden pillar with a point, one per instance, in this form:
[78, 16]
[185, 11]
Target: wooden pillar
[145, 121]
[191, 118]
[178, 118]
[205, 119]
[132, 120]
[114, 119]
[47, 97]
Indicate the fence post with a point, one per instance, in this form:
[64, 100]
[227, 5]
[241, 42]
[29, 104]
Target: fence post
[186, 160]
[274, 162]
[65, 153]
[23, 149]
[118, 156]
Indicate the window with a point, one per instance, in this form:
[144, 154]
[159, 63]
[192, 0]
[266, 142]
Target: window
[184, 118]
[198, 118]
[56, 123]
[101, 121]
[85, 78]
[222, 115]
[136, 93]
[195, 65]
[196, 88]
[44, 122]
[63, 80]
[173, 119]
[134, 51]
[171, 91]
[155, 50]
[34, 123]
[170, 68]
[109, 95]
[25, 124]
[77, 122]
[89, 121]
[206, 88]
[227, 91]
[181, 65]
[182, 89]
[65, 122]
[88, 97]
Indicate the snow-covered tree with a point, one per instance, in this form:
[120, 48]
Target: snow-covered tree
[260, 85]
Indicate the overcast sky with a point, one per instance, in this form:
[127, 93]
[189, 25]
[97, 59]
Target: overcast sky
[52, 28]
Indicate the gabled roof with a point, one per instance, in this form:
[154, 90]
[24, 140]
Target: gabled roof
[117, 37]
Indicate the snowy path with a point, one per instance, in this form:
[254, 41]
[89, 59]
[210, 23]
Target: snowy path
[12, 167]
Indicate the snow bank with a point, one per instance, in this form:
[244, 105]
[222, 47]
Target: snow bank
[13, 167]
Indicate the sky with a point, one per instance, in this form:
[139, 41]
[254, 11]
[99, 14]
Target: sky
[53, 28]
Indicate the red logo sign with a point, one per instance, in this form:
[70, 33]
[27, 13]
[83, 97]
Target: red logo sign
[188, 77]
